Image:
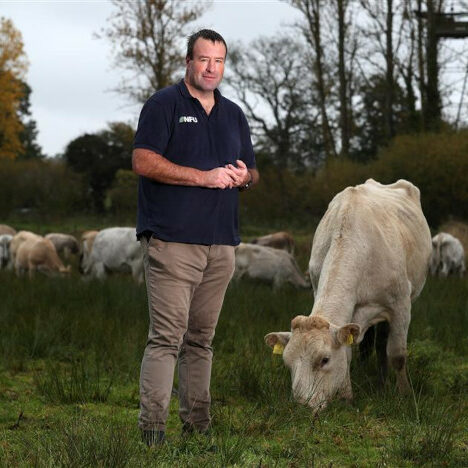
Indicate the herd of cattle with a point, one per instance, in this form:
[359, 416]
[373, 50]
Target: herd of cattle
[370, 256]
[269, 258]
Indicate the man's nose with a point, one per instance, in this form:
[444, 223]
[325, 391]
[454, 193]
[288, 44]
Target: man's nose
[211, 65]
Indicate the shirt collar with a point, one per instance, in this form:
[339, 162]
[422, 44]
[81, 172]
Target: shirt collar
[185, 92]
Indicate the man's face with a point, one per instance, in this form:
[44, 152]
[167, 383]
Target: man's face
[205, 70]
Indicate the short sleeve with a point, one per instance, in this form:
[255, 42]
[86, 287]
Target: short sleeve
[247, 152]
[154, 127]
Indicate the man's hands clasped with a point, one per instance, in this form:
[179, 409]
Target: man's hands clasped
[228, 176]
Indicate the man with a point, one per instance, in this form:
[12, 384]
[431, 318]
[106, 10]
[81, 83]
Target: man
[193, 154]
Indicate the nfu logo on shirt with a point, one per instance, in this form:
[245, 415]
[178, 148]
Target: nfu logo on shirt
[187, 119]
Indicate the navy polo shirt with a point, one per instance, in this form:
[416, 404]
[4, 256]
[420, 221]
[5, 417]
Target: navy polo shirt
[175, 125]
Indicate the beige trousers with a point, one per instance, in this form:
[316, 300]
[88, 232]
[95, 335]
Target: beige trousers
[185, 284]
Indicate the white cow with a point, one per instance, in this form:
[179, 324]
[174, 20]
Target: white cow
[448, 255]
[269, 264]
[115, 250]
[5, 240]
[369, 261]
[278, 240]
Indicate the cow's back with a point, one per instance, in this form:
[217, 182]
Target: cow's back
[372, 237]
[116, 247]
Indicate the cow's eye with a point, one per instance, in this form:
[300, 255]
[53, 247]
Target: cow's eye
[324, 361]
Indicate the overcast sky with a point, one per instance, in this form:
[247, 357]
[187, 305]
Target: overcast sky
[70, 71]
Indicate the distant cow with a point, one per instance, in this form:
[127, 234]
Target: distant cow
[114, 250]
[369, 261]
[266, 263]
[87, 241]
[18, 239]
[65, 244]
[5, 229]
[38, 255]
[5, 240]
[448, 256]
[279, 240]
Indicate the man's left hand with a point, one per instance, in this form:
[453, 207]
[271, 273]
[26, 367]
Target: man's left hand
[241, 173]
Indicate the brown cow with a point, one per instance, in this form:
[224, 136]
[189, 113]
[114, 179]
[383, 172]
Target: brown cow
[18, 239]
[87, 241]
[279, 240]
[65, 244]
[39, 255]
[5, 229]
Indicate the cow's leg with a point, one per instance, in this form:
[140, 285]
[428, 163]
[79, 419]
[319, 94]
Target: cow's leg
[367, 344]
[445, 270]
[137, 270]
[99, 271]
[346, 391]
[381, 339]
[396, 344]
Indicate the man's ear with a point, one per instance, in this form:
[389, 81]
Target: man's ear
[277, 337]
[348, 334]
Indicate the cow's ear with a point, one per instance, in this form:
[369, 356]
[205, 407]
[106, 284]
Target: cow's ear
[348, 334]
[281, 338]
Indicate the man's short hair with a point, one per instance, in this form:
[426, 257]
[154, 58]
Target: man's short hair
[207, 34]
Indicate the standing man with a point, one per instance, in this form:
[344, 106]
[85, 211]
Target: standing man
[193, 154]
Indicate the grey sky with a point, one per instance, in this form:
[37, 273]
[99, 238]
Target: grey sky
[70, 72]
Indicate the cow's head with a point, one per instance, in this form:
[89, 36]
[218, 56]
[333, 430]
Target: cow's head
[317, 354]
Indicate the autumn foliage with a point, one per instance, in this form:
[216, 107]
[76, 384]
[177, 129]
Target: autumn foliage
[13, 66]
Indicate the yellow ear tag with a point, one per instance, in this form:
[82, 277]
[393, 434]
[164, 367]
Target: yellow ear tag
[350, 339]
[278, 348]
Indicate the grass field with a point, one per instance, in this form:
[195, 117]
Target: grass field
[70, 353]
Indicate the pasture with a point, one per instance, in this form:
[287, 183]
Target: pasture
[70, 352]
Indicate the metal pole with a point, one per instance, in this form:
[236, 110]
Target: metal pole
[461, 98]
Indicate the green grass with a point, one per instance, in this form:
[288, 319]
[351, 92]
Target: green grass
[70, 353]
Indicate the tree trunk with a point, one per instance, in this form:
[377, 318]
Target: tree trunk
[389, 95]
[421, 66]
[433, 110]
[313, 19]
[344, 120]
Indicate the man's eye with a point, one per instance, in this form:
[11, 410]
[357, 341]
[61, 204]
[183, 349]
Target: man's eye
[324, 361]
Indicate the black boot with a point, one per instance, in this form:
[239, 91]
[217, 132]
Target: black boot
[153, 437]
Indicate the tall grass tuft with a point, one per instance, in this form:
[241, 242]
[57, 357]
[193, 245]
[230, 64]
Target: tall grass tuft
[429, 439]
[80, 381]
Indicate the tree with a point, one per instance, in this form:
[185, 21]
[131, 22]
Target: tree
[28, 136]
[312, 31]
[371, 124]
[267, 77]
[99, 156]
[13, 66]
[146, 38]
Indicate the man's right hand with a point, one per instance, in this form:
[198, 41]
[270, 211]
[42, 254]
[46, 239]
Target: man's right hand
[220, 177]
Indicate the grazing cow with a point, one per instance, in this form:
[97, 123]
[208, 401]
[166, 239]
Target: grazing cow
[448, 256]
[18, 239]
[65, 244]
[87, 241]
[369, 261]
[279, 240]
[266, 263]
[114, 250]
[39, 255]
[5, 240]
[5, 229]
